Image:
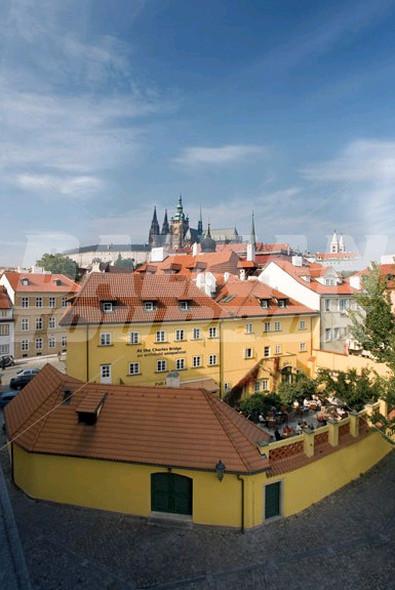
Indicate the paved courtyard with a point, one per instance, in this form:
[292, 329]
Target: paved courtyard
[346, 541]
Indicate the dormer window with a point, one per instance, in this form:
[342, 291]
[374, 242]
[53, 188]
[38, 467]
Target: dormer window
[265, 303]
[107, 306]
[57, 282]
[282, 302]
[149, 306]
[184, 305]
[25, 282]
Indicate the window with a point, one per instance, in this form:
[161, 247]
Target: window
[184, 305]
[344, 304]
[52, 302]
[107, 308]
[39, 302]
[264, 303]
[328, 334]
[4, 330]
[196, 361]
[336, 333]
[179, 334]
[302, 325]
[196, 334]
[64, 302]
[272, 500]
[327, 304]
[282, 303]
[52, 322]
[105, 339]
[249, 328]
[134, 368]
[39, 343]
[160, 336]
[266, 351]
[25, 302]
[149, 306]
[257, 386]
[64, 341]
[212, 360]
[51, 342]
[39, 323]
[266, 326]
[134, 337]
[278, 349]
[302, 347]
[180, 364]
[24, 345]
[4, 348]
[265, 384]
[160, 366]
[277, 326]
[25, 324]
[212, 332]
[248, 353]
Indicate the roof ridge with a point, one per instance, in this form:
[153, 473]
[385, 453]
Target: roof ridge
[220, 418]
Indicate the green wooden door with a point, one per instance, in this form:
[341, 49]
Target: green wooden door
[272, 500]
[171, 493]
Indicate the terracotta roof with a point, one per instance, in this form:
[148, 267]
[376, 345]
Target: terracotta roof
[41, 282]
[298, 272]
[5, 302]
[336, 255]
[243, 298]
[129, 291]
[224, 261]
[180, 427]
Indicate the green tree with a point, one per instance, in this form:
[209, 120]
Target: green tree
[59, 264]
[259, 404]
[300, 388]
[126, 264]
[353, 389]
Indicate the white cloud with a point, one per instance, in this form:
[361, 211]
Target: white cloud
[72, 186]
[226, 154]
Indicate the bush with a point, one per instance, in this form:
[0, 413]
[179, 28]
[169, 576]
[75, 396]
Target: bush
[259, 404]
[302, 387]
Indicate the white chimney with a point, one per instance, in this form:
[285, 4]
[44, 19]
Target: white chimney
[195, 249]
[297, 260]
[242, 274]
[226, 276]
[355, 281]
[250, 252]
[157, 254]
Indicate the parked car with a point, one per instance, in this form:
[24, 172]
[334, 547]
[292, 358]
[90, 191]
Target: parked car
[6, 360]
[23, 377]
[6, 397]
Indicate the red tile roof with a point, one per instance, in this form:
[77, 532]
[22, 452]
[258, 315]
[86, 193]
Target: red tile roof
[243, 299]
[224, 261]
[336, 255]
[5, 302]
[41, 282]
[182, 427]
[129, 291]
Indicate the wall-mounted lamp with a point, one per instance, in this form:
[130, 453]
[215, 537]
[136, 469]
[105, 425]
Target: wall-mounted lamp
[220, 470]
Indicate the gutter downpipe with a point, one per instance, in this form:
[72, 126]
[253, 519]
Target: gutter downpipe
[87, 353]
[221, 364]
[241, 478]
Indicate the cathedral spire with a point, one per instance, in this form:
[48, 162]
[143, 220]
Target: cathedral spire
[165, 225]
[200, 224]
[154, 229]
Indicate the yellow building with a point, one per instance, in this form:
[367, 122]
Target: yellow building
[135, 329]
[173, 453]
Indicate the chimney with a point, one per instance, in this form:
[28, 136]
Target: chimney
[173, 379]
[242, 274]
[250, 252]
[297, 260]
[226, 276]
[195, 249]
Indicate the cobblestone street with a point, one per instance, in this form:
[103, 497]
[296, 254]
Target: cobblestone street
[347, 540]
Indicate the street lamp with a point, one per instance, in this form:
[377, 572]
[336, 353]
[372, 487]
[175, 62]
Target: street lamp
[220, 470]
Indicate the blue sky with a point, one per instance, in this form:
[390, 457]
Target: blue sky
[107, 108]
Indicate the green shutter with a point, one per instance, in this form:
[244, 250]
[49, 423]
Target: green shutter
[272, 500]
[171, 493]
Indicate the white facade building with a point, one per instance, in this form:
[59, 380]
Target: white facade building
[6, 324]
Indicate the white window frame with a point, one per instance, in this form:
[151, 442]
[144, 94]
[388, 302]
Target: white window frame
[180, 364]
[160, 336]
[25, 324]
[266, 349]
[328, 334]
[39, 302]
[134, 368]
[105, 339]
[39, 323]
[277, 326]
[266, 327]
[248, 353]
[25, 302]
[249, 328]
[64, 302]
[161, 366]
[184, 305]
[134, 337]
[4, 329]
[106, 373]
[212, 360]
[40, 342]
[302, 347]
[107, 307]
[213, 332]
[149, 306]
[52, 322]
[52, 301]
[265, 384]
[277, 349]
[196, 334]
[51, 342]
[180, 335]
[196, 361]
[302, 324]
[63, 341]
[24, 345]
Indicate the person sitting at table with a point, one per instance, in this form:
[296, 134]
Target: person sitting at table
[306, 404]
[277, 435]
[287, 430]
[298, 428]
